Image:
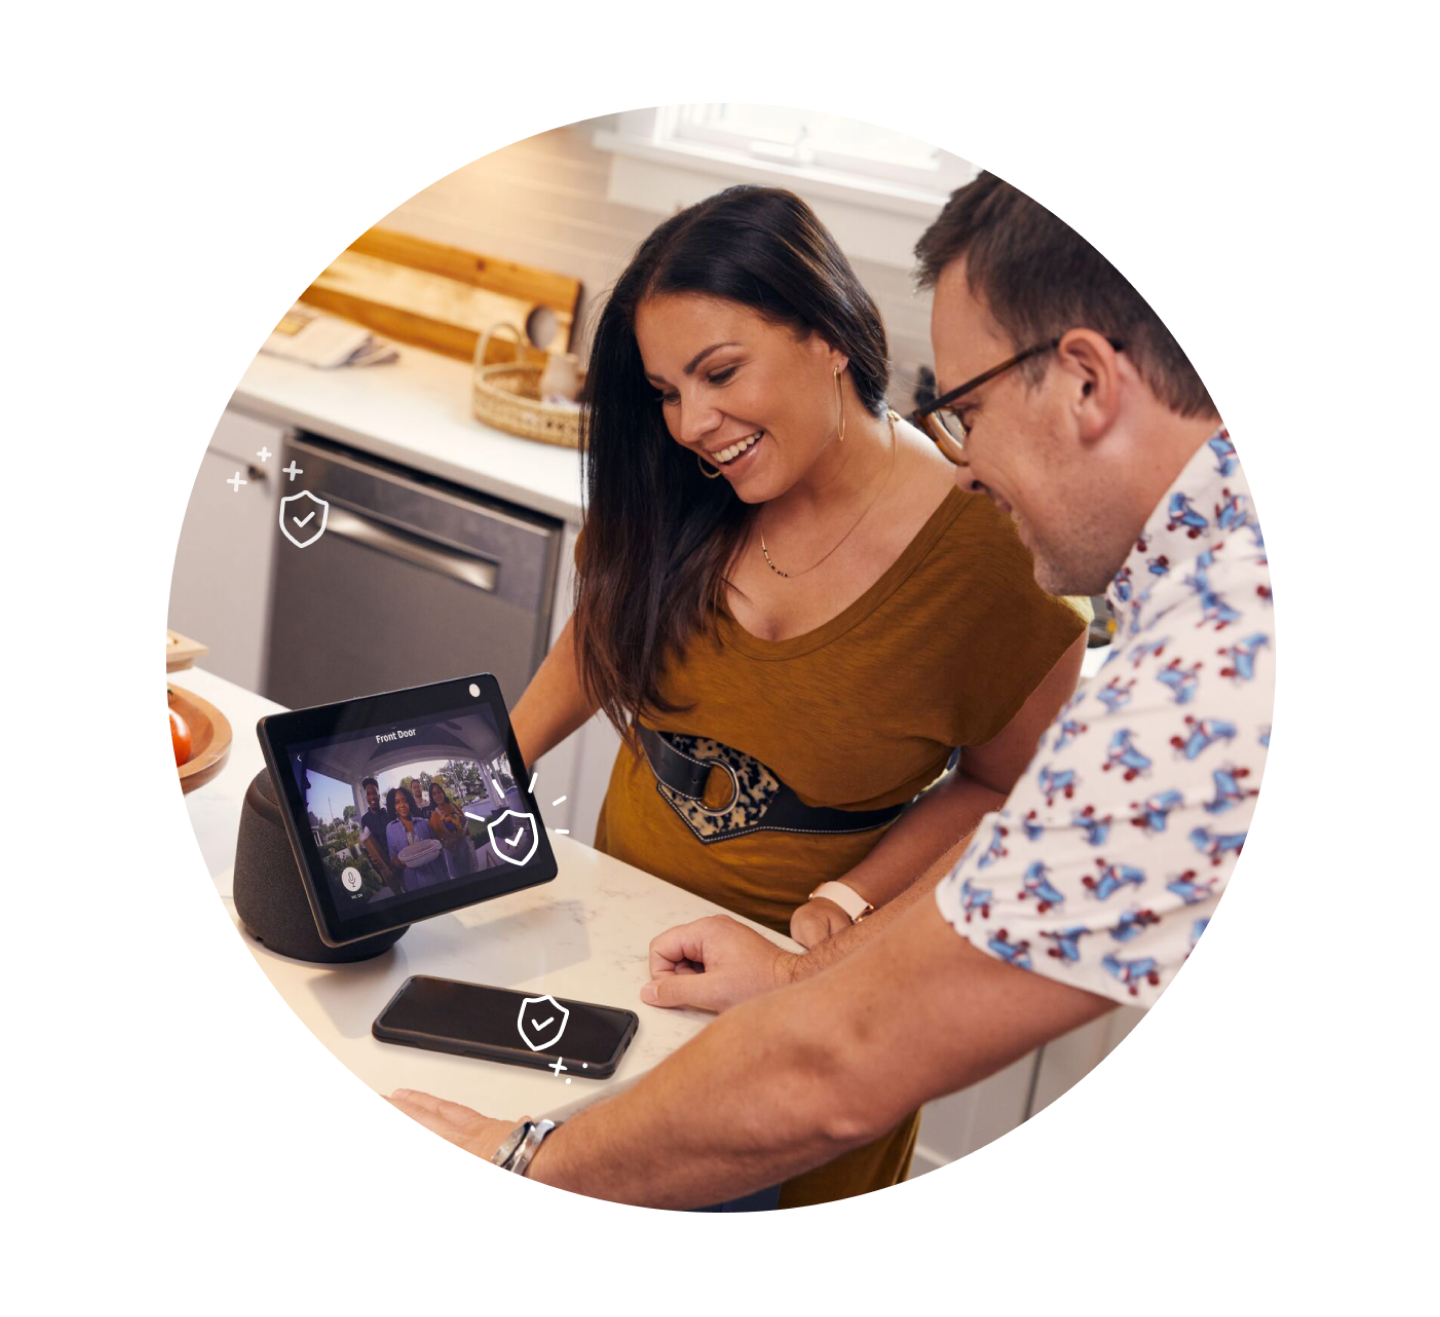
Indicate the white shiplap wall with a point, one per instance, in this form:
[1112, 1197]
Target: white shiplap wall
[543, 202]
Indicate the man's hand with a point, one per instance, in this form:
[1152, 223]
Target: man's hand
[817, 920]
[477, 1134]
[713, 964]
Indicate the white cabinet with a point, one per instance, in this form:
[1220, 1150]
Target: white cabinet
[953, 1126]
[221, 585]
[1068, 1060]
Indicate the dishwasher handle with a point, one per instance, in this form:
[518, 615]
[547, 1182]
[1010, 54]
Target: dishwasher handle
[411, 548]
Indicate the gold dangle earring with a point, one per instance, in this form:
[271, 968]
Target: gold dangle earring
[712, 474]
[840, 403]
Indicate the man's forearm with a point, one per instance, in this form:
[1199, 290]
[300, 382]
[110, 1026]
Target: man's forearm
[748, 1103]
[793, 1079]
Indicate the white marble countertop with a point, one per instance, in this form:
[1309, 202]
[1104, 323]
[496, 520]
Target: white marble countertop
[584, 936]
[416, 412]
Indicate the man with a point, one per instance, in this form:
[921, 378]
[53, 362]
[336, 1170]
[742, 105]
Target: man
[1064, 398]
[373, 823]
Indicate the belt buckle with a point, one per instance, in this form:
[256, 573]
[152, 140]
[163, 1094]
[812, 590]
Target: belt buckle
[723, 810]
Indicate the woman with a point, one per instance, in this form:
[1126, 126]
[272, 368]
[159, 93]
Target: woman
[407, 827]
[450, 827]
[783, 601]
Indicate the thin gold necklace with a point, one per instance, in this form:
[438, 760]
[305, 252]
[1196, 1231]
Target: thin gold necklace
[764, 549]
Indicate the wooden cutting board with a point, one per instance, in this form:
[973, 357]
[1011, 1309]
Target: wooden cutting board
[442, 298]
[181, 651]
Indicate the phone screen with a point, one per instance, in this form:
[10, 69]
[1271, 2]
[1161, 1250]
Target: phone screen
[470, 1015]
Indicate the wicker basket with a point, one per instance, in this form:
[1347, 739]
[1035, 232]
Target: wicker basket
[507, 396]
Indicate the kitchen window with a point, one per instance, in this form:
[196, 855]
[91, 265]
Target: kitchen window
[810, 140]
[875, 188]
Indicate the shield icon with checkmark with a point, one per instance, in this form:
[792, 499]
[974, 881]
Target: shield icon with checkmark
[514, 836]
[302, 518]
[542, 1022]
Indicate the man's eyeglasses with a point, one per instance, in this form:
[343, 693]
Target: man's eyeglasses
[943, 424]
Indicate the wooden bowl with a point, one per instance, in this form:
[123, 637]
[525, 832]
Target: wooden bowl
[210, 737]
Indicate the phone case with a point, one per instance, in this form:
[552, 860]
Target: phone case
[519, 1056]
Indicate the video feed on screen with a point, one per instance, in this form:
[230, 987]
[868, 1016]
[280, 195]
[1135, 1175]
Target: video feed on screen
[401, 809]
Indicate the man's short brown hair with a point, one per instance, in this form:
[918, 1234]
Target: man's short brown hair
[1039, 278]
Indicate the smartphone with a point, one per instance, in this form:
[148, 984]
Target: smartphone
[496, 1024]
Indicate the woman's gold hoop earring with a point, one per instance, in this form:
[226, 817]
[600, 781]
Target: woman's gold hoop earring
[840, 403]
[711, 474]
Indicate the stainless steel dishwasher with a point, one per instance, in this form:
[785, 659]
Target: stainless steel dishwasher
[413, 580]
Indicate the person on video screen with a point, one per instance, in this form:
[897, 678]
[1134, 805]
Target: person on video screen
[448, 825]
[373, 823]
[406, 828]
[419, 794]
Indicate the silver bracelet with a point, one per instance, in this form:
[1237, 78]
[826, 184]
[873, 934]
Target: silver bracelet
[519, 1164]
[509, 1143]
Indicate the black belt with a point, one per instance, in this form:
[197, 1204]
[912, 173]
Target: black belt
[760, 802]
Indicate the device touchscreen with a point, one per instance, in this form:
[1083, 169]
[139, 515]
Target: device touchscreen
[405, 808]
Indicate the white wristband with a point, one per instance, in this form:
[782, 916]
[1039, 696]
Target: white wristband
[847, 898]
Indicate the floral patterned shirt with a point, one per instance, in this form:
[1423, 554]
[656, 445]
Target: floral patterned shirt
[1108, 859]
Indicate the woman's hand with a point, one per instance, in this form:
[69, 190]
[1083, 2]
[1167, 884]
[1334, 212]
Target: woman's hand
[817, 920]
[477, 1134]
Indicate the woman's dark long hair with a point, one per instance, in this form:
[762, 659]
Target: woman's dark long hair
[659, 537]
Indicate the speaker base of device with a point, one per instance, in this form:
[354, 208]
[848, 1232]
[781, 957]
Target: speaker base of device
[270, 892]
